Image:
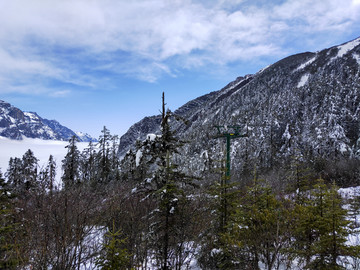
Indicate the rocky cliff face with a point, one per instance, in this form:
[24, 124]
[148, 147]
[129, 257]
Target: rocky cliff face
[306, 105]
[15, 124]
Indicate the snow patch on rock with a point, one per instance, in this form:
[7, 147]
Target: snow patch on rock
[263, 69]
[303, 65]
[304, 79]
[343, 49]
[32, 117]
[138, 157]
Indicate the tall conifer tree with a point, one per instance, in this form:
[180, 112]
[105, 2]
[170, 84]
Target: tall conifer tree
[165, 183]
[29, 170]
[71, 164]
[14, 175]
[103, 159]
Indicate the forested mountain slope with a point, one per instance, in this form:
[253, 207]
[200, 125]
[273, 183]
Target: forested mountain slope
[304, 106]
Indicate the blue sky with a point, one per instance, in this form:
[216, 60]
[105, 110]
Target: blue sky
[90, 63]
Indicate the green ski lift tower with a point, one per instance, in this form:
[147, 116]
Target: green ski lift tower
[229, 132]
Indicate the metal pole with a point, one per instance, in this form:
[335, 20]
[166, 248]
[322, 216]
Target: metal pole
[228, 162]
[228, 135]
[225, 181]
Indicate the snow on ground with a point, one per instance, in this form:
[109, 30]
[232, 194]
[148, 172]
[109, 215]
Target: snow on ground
[343, 49]
[263, 69]
[151, 137]
[354, 237]
[303, 80]
[138, 157]
[33, 118]
[93, 243]
[42, 150]
[349, 192]
[235, 84]
[303, 65]
[357, 57]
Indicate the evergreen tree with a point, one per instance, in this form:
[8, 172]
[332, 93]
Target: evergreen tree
[260, 227]
[8, 257]
[128, 167]
[168, 226]
[14, 175]
[29, 170]
[140, 164]
[104, 164]
[322, 229]
[51, 169]
[88, 165]
[22, 173]
[169, 191]
[114, 159]
[332, 227]
[114, 255]
[303, 230]
[47, 176]
[216, 251]
[165, 183]
[71, 164]
[299, 176]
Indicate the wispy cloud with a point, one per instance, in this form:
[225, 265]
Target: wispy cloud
[68, 41]
[61, 93]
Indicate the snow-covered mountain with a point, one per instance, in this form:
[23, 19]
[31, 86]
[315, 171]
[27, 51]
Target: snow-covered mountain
[84, 137]
[305, 106]
[15, 124]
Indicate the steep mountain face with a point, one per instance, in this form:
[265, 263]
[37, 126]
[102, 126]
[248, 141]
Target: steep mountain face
[151, 124]
[305, 106]
[15, 124]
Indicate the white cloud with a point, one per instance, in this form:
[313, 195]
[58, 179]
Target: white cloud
[330, 15]
[36, 37]
[60, 93]
[21, 63]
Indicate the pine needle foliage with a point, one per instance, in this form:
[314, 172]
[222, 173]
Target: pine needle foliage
[322, 229]
[114, 255]
[8, 256]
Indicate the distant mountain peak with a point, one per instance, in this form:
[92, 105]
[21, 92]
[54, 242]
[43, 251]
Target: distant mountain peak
[84, 137]
[16, 124]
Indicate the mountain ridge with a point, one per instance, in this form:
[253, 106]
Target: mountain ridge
[15, 124]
